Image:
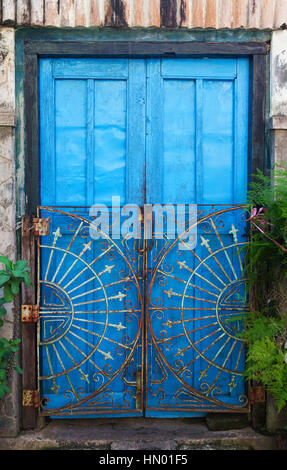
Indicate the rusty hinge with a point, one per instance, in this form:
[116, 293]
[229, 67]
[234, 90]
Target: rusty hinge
[31, 398]
[30, 313]
[41, 226]
[257, 394]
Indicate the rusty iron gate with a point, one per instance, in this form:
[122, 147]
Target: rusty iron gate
[141, 326]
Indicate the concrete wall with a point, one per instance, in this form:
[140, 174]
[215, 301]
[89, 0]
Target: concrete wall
[278, 96]
[217, 14]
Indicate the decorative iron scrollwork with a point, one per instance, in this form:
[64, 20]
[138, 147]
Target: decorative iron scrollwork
[197, 301]
[90, 318]
[92, 294]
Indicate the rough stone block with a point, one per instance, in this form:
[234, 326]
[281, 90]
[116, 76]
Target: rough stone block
[8, 427]
[274, 419]
[226, 421]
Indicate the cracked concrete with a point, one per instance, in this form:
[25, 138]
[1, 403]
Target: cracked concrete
[136, 434]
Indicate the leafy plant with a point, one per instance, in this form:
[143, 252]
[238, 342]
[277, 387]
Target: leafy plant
[268, 248]
[266, 358]
[266, 269]
[10, 280]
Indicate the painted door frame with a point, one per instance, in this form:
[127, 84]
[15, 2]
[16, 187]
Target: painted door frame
[33, 50]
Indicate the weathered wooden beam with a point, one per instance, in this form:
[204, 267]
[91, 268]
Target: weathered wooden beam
[144, 49]
[258, 149]
[29, 345]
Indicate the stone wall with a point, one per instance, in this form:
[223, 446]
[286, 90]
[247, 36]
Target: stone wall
[9, 408]
[278, 151]
[278, 96]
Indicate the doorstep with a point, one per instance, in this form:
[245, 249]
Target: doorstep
[136, 434]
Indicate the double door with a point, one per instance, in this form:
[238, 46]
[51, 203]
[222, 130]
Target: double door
[140, 281]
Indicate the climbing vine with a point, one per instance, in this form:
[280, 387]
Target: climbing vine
[11, 279]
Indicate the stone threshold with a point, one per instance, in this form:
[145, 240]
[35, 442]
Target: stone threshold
[136, 434]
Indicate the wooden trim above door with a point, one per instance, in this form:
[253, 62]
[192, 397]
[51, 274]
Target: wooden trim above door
[144, 48]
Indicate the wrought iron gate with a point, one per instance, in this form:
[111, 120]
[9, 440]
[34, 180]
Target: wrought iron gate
[131, 326]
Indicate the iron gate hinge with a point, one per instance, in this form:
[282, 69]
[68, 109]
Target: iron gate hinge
[31, 398]
[29, 313]
[257, 394]
[41, 226]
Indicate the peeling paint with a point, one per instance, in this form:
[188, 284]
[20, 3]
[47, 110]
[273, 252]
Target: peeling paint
[3, 54]
[279, 74]
[280, 68]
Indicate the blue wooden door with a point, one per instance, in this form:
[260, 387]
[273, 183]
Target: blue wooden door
[149, 131]
[92, 148]
[197, 148]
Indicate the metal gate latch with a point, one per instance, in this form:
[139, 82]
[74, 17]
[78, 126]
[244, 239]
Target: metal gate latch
[30, 313]
[30, 398]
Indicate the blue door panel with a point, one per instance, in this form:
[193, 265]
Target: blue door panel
[197, 148]
[199, 131]
[179, 150]
[70, 142]
[90, 68]
[156, 131]
[200, 68]
[84, 124]
[217, 141]
[110, 135]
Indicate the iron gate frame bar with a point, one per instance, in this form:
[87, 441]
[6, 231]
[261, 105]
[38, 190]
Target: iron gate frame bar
[33, 50]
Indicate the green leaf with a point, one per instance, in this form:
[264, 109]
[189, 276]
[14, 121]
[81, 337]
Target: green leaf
[15, 287]
[4, 390]
[8, 296]
[27, 280]
[4, 277]
[18, 369]
[3, 311]
[16, 341]
[21, 265]
[4, 343]
[18, 273]
[6, 261]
